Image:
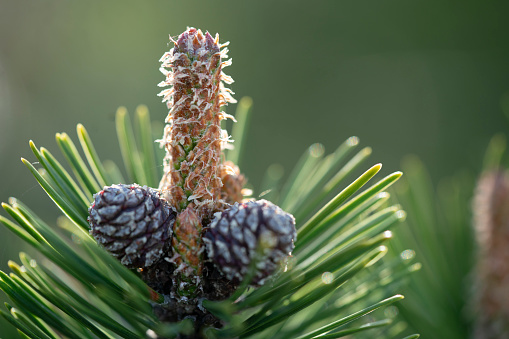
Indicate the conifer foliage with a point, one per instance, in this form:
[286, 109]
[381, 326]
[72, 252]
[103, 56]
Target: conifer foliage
[195, 257]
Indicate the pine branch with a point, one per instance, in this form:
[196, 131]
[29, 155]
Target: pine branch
[332, 279]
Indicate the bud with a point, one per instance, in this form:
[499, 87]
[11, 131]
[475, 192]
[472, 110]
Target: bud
[193, 136]
[233, 183]
[187, 241]
[193, 140]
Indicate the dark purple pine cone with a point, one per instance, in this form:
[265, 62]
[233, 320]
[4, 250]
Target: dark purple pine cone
[255, 230]
[132, 222]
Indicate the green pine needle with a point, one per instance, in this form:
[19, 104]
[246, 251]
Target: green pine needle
[81, 291]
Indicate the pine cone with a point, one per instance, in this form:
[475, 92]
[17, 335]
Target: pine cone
[132, 222]
[253, 231]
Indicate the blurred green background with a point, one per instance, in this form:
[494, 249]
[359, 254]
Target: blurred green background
[426, 77]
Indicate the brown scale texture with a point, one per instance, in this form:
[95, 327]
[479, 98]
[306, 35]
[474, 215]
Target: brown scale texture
[491, 217]
[187, 241]
[193, 139]
[233, 183]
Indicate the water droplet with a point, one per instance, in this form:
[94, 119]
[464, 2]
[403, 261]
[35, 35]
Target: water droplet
[33, 263]
[407, 254]
[401, 214]
[327, 277]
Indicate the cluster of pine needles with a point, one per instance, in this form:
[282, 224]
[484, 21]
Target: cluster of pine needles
[342, 278]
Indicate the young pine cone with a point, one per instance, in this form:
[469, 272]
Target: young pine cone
[233, 182]
[256, 231]
[132, 222]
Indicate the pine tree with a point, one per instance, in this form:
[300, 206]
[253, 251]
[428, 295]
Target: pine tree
[196, 258]
[460, 232]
